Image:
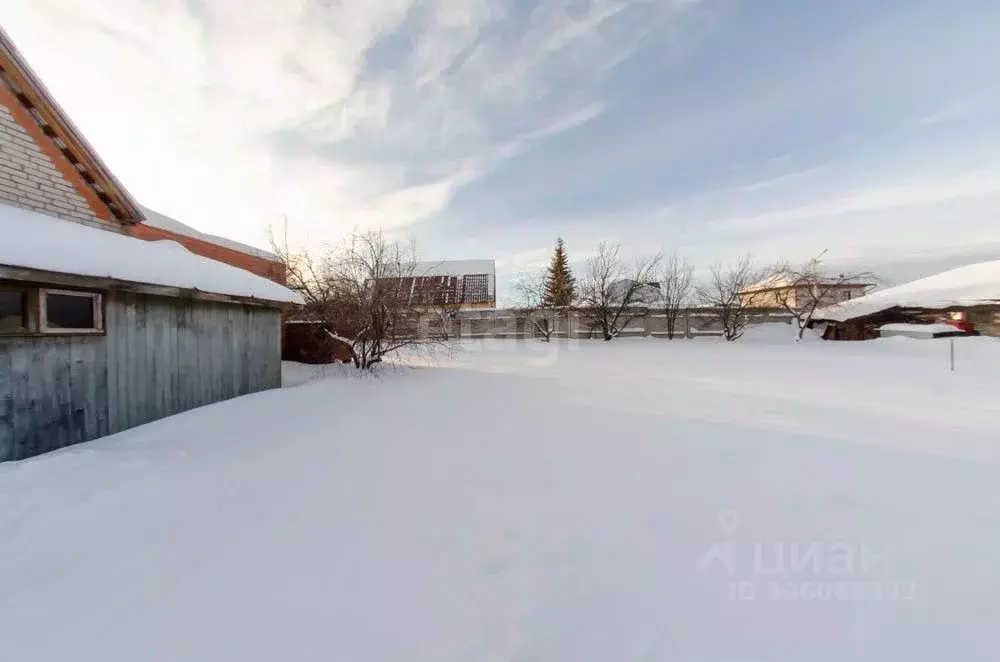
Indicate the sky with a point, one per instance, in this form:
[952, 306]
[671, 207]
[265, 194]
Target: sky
[487, 128]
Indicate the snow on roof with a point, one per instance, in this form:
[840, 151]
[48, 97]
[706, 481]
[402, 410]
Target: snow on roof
[164, 222]
[36, 241]
[970, 285]
[918, 329]
[774, 281]
[454, 267]
[782, 280]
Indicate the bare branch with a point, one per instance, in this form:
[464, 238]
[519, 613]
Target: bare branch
[802, 289]
[725, 293]
[362, 294]
[529, 296]
[676, 283]
[614, 292]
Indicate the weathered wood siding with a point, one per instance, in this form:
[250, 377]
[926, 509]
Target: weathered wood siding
[160, 356]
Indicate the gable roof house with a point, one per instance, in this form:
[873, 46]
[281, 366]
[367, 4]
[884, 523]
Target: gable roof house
[101, 331]
[464, 284]
[780, 290]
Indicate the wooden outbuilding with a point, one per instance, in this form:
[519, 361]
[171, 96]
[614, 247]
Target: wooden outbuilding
[966, 298]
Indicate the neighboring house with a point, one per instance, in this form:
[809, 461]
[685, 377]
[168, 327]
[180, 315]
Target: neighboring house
[158, 226]
[779, 292]
[100, 331]
[645, 294]
[464, 284]
[967, 298]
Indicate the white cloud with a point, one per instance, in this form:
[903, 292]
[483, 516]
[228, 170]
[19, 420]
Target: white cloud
[228, 115]
[918, 191]
[958, 110]
[782, 180]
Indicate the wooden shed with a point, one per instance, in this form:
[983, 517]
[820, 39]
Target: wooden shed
[105, 332]
[101, 331]
[967, 298]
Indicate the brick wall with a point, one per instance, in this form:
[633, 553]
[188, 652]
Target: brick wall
[257, 265]
[35, 175]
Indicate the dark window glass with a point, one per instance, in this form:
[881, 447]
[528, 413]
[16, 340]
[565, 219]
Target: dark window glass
[13, 311]
[66, 311]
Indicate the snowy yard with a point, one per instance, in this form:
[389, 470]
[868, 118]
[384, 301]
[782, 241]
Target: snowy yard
[602, 502]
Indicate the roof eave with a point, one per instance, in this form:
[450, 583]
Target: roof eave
[31, 275]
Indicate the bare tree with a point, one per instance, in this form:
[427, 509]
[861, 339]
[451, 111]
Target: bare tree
[361, 294]
[615, 292]
[444, 314]
[676, 282]
[802, 289]
[529, 299]
[724, 292]
[303, 272]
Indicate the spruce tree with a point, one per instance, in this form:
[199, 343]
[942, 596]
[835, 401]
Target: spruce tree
[560, 286]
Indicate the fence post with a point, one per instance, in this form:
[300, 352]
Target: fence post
[951, 351]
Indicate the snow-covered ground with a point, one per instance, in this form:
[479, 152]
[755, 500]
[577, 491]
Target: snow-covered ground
[597, 502]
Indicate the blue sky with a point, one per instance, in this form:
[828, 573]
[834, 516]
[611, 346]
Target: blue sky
[486, 128]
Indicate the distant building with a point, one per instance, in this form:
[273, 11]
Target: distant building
[780, 291]
[464, 284]
[647, 294]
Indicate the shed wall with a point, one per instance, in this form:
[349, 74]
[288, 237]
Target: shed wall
[160, 356]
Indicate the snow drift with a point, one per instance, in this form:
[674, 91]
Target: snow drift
[598, 502]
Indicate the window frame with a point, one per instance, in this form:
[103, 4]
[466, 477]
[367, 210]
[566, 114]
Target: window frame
[30, 298]
[96, 298]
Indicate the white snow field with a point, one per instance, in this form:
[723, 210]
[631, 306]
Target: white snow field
[636, 500]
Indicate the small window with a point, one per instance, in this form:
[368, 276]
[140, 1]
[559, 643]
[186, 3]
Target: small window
[70, 312]
[13, 311]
